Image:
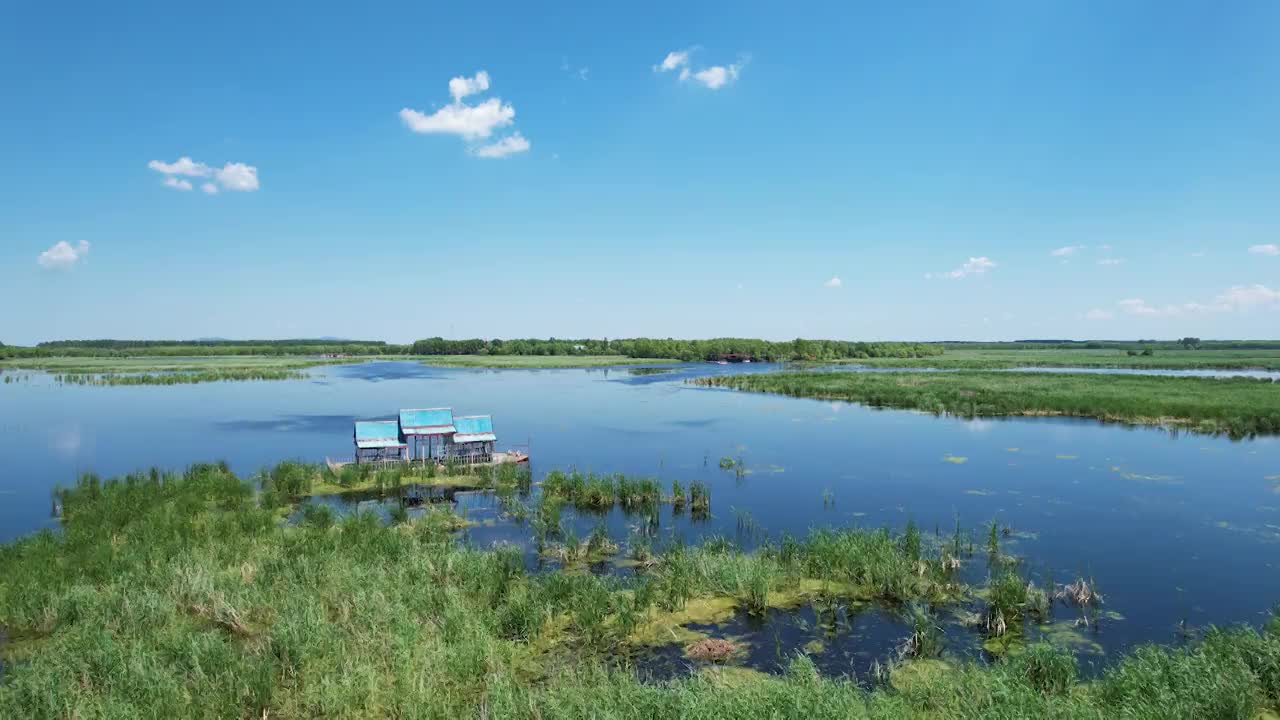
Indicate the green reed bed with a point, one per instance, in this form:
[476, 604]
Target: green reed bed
[1133, 357]
[177, 378]
[182, 595]
[291, 481]
[1237, 407]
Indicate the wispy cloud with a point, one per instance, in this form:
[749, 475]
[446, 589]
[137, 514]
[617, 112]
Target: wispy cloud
[509, 145]
[712, 77]
[470, 122]
[1111, 261]
[1268, 249]
[63, 255]
[1067, 251]
[674, 59]
[834, 282]
[231, 176]
[972, 266]
[1237, 298]
[581, 73]
[1099, 314]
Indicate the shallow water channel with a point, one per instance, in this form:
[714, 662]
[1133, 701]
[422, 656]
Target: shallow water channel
[1177, 530]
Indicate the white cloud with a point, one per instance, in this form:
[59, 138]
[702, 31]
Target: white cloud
[237, 176]
[509, 145]
[1099, 314]
[674, 59]
[1237, 298]
[834, 282]
[713, 77]
[232, 176]
[717, 76]
[973, 266]
[1268, 249]
[461, 87]
[1067, 251]
[472, 123]
[182, 166]
[1246, 297]
[63, 255]
[1111, 261]
[1138, 306]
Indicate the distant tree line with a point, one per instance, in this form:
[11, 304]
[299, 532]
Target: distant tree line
[798, 349]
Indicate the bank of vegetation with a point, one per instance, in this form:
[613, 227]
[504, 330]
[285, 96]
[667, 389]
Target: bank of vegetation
[1133, 357]
[1238, 407]
[183, 595]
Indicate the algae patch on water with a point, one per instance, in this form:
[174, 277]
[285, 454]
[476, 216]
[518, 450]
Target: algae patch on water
[955, 459]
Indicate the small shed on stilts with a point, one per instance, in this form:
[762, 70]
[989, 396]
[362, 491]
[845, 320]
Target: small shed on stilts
[378, 440]
[427, 431]
[473, 439]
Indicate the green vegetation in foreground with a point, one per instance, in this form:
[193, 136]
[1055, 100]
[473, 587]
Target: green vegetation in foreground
[182, 596]
[290, 481]
[1160, 359]
[538, 361]
[1238, 407]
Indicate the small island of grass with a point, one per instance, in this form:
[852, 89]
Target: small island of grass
[1238, 407]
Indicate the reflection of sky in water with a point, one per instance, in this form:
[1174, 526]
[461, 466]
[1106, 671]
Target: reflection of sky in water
[1142, 511]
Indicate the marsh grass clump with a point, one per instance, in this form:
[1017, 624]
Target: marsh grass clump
[699, 499]
[925, 640]
[727, 463]
[182, 595]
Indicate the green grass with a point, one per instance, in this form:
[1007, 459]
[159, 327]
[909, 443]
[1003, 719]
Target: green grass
[1238, 407]
[87, 365]
[986, 359]
[180, 595]
[539, 361]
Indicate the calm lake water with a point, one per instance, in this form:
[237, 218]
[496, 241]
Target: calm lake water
[1171, 526]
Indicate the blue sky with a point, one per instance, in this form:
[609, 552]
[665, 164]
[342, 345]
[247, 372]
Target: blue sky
[931, 157]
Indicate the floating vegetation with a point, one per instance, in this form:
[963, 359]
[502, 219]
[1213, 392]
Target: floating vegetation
[1067, 457]
[955, 459]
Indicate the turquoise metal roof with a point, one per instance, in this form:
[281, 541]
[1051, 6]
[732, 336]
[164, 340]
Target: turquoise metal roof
[433, 421]
[476, 428]
[378, 434]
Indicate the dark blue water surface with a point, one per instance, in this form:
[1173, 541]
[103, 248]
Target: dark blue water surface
[1171, 526]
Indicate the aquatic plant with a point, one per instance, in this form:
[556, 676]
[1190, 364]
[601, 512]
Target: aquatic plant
[925, 640]
[677, 496]
[727, 463]
[699, 498]
[911, 540]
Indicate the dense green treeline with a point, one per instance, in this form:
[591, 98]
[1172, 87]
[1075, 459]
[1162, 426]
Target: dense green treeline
[689, 350]
[182, 595]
